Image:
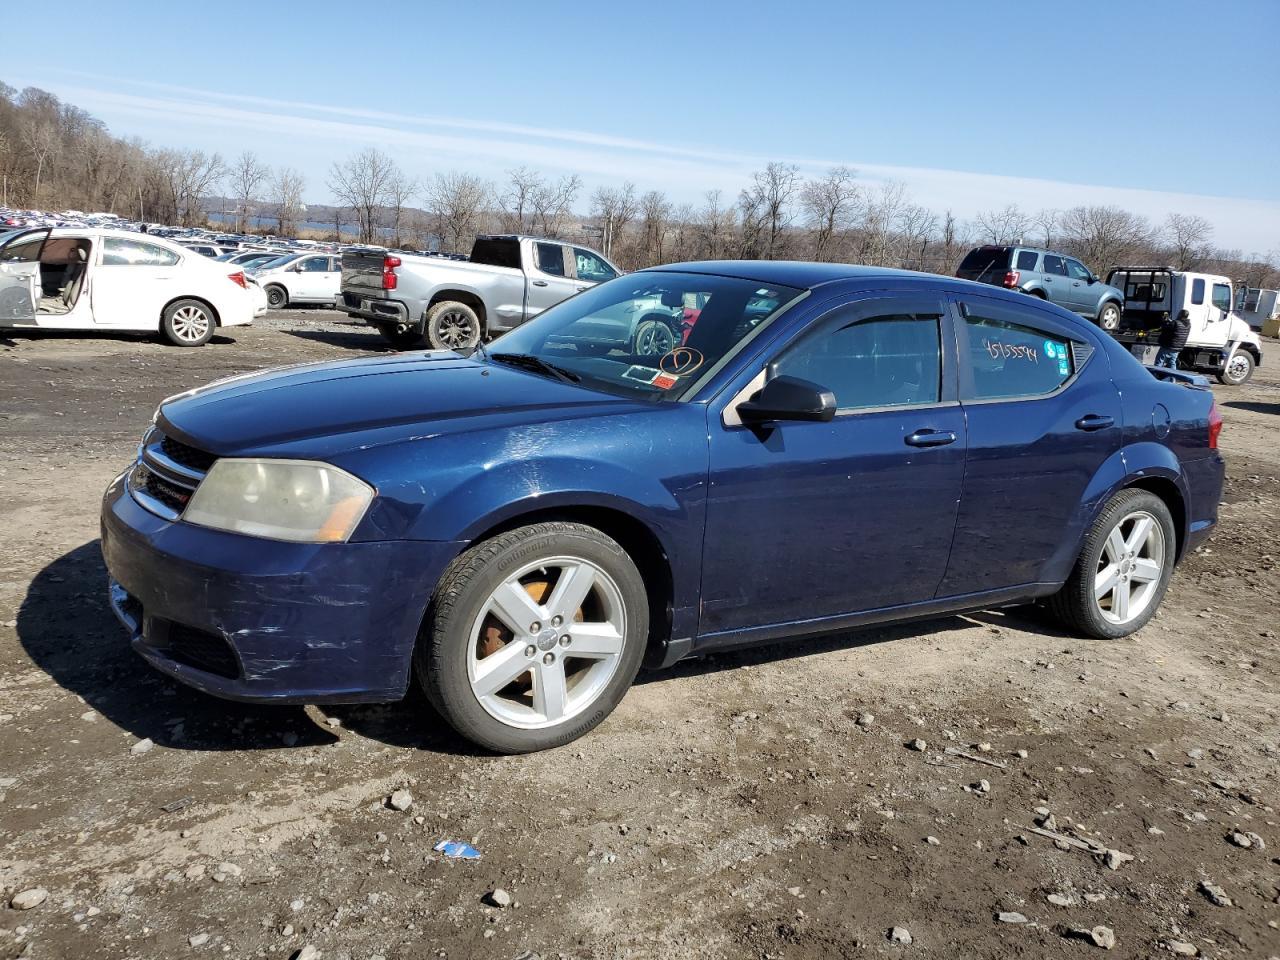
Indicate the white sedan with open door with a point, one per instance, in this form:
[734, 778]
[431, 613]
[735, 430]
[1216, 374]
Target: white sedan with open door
[85, 279]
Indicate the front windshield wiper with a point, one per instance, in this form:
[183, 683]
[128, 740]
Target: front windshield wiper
[535, 364]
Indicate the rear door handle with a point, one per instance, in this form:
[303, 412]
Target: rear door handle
[930, 438]
[1094, 421]
[538, 283]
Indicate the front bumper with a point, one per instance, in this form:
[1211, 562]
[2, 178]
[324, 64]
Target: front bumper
[262, 620]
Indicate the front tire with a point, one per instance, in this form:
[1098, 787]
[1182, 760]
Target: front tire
[1238, 369]
[654, 337]
[187, 323]
[277, 296]
[533, 637]
[1123, 570]
[1109, 317]
[453, 326]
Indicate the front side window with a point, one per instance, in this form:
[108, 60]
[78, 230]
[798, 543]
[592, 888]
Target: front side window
[1054, 265]
[549, 258]
[1010, 360]
[23, 251]
[118, 252]
[1197, 292]
[590, 267]
[1222, 297]
[1077, 270]
[315, 265]
[1027, 260]
[652, 334]
[891, 360]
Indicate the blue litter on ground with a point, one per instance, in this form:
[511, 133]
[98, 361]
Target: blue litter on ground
[457, 850]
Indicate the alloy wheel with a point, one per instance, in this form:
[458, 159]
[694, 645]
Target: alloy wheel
[1129, 569]
[654, 338]
[546, 642]
[190, 323]
[456, 330]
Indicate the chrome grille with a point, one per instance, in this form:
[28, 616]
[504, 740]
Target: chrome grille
[167, 473]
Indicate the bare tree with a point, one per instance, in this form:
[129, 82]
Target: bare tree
[1047, 221]
[40, 137]
[1189, 237]
[400, 190]
[916, 226]
[188, 177]
[1010, 225]
[516, 202]
[456, 202]
[767, 204]
[716, 227]
[362, 182]
[551, 203]
[1104, 236]
[875, 232]
[247, 176]
[828, 206]
[614, 208]
[286, 193]
[655, 212]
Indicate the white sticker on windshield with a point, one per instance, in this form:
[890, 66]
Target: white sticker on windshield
[641, 374]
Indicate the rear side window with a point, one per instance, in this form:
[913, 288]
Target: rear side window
[1009, 360]
[117, 252]
[1222, 297]
[1027, 260]
[550, 258]
[882, 361]
[1197, 291]
[1054, 265]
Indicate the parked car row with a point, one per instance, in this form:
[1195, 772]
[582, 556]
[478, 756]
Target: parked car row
[1133, 304]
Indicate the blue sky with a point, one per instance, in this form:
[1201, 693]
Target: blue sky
[973, 105]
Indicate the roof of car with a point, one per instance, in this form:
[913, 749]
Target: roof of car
[791, 273]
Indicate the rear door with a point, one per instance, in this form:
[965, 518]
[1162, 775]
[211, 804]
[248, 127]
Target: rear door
[132, 281]
[548, 276]
[20, 277]
[1043, 416]
[1057, 286]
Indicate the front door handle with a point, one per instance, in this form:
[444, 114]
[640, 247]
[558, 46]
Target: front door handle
[1095, 421]
[538, 283]
[930, 438]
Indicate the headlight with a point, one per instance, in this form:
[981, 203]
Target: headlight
[298, 500]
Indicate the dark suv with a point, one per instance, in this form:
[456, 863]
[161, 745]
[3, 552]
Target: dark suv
[1047, 275]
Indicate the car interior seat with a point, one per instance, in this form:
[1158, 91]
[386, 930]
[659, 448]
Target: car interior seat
[73, 279]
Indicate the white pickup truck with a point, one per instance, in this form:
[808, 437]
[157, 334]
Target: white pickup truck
[453, 304]
[1219, 342]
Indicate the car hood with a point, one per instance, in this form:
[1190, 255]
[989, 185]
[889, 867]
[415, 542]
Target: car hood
[324, 409]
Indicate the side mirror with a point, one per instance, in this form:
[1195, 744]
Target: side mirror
[789, 398]
[1092, 279]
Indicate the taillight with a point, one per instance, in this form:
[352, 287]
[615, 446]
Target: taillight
[1215, 425]
[1012, 279]
[389, 278]
[238, 277]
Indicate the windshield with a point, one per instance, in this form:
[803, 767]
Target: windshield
[651, 334]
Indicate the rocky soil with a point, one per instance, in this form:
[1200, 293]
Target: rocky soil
[979, 786]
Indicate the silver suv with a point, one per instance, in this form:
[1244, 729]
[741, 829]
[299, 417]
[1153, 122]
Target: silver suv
[1047, 275]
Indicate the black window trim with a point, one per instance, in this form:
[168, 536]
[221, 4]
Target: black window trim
[1019, 316]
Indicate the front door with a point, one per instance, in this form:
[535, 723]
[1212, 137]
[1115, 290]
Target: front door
[1043, 417]
[547, 278]
[314, 280]
[1057, 285]
[813, 520]
[20, 277]
[1080, 288]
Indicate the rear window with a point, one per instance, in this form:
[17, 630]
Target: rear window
[984, 261]
[496, 252]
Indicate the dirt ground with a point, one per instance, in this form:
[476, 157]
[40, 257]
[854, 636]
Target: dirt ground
[765, 804]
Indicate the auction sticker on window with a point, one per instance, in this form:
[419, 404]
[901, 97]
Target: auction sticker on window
[641, 374]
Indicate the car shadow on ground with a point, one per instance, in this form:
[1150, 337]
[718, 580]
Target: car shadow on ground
[363, 339]
[12, 338]
[67, 628]
[1252, 406]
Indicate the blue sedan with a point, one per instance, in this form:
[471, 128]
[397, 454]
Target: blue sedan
[816, 447]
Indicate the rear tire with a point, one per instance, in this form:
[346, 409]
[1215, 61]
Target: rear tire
[453, 326]
[409, 339]
[546, 691]
[1238, 369]
[1123, 570]
[277, 297]
[1109, 317]
[187, 323]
